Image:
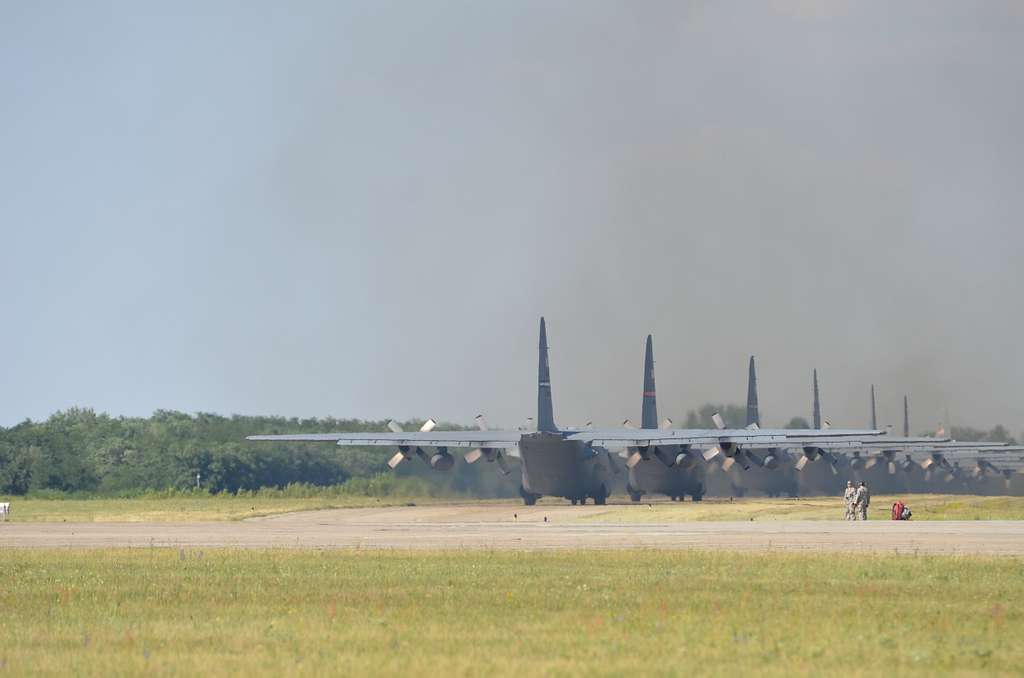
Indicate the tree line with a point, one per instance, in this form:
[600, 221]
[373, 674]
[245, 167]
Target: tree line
[80, 451]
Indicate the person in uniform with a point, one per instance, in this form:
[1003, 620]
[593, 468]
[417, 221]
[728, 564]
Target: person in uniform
[849, 497]
[862, 500]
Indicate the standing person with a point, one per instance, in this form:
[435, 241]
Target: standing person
[862, 501]
[849, 497]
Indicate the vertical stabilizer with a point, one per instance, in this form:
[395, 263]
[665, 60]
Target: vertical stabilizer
[753, 414]
[545, 410]
[817, 403]
[649, 414]
[874, 419]
[906, 418]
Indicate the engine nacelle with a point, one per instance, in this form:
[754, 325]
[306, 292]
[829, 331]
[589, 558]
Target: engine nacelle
[687, 459]
[811, 453]
[442, 461]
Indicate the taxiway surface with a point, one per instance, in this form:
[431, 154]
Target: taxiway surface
[518, 527]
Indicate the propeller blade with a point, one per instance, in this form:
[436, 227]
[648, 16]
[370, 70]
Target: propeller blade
[473, 456]
[800, 463]
[728, 462]
[928, 475]
[481, 423]
[870, 463]
[428, 426]
[826, 425]
[396, 460]
[634, 459]
[666, 424]
[712, 452]
[753, 427]
[892, 468]
[718, 421]
[499, 459]
[626, 423]
[612, 465]
[395, 428]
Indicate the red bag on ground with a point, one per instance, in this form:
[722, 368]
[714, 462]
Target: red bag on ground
[897, 510]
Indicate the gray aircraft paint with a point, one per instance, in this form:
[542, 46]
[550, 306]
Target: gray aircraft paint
[816, 413]
[906, 417]
[771, 481]
[753, 414]
[550, 465]
[657, 472]
[874, 419]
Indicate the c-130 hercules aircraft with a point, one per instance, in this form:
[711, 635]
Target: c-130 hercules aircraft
[571, 463]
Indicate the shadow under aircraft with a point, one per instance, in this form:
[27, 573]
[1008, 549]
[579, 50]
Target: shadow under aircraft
[571, 463]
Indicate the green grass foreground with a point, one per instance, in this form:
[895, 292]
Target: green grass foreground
[202, 507]
[253, 613]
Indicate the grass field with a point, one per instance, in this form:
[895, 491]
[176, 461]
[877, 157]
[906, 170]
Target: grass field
[206, 507]
[256, 613]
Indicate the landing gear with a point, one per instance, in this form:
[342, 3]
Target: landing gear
[634, 496]
[699, 494]
[583, 500]
[601, 496]
[528, 499]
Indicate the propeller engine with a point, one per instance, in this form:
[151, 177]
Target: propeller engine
[637, 454]
[731, 452]
[407, 451]
[813, 453]
[489, 453]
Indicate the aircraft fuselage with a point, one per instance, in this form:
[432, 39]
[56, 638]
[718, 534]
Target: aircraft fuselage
[555, 467]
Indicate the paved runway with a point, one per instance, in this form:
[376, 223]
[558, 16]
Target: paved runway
[518, 527]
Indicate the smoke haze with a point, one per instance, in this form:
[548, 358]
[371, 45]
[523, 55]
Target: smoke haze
[362, 209]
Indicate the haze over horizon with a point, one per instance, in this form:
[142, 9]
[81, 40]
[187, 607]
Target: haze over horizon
[362, 209]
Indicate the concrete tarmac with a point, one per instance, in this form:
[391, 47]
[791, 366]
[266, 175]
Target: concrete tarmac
[489, 526]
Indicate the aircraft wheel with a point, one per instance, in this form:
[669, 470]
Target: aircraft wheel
[601, 496]
[634, 497]
[583, 501]
[574, 502]
[528, 499]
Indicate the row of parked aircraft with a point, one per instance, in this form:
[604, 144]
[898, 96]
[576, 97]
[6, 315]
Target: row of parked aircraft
[579, 463]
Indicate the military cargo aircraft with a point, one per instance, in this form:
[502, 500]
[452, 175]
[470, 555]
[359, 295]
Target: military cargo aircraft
[570, 463]
[672, 470]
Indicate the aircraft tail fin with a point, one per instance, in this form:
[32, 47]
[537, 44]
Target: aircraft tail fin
[906, 418]
[649, 414]
[753, 412]
[874, 419]
[817, 402]
[545, 409]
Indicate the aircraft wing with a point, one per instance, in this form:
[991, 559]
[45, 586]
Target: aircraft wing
[764, 437]
[488, 439]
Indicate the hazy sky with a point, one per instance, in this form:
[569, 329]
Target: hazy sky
[362, 209]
